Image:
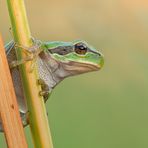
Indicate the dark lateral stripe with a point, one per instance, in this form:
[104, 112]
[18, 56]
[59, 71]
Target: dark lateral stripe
[62, 50]
[94, 52]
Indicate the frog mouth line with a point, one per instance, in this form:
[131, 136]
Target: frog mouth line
[81, 67]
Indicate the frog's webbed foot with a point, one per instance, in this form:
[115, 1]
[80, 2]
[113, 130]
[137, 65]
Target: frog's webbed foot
[16, 63]
[25, 118]
[31, 54]
[45, 92]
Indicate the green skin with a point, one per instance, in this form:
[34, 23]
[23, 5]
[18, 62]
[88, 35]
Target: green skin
[93, 58]
[56, 61]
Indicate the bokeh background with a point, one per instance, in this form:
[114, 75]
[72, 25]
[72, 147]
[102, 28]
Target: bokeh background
[105, 109]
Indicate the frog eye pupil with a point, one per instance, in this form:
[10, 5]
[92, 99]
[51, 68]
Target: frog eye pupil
[80, 49]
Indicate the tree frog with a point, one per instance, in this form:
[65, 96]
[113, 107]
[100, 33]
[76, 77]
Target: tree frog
[56, 61]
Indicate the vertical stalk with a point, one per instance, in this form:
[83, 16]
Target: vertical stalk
[9, 113]
[37, 112]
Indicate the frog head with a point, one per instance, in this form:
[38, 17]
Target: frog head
[74, 58]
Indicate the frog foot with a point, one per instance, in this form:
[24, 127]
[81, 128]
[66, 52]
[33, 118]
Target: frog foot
[31, 54]
[45, 89]
[25, 118]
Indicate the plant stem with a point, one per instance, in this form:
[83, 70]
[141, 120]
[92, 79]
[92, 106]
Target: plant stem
[9, 113]
[37, 112]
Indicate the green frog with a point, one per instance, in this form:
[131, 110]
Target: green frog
[56, 61]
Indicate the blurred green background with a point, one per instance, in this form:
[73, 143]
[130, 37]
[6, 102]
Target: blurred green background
[105, 109]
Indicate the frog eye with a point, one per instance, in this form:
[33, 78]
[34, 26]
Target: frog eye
[80, 49]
